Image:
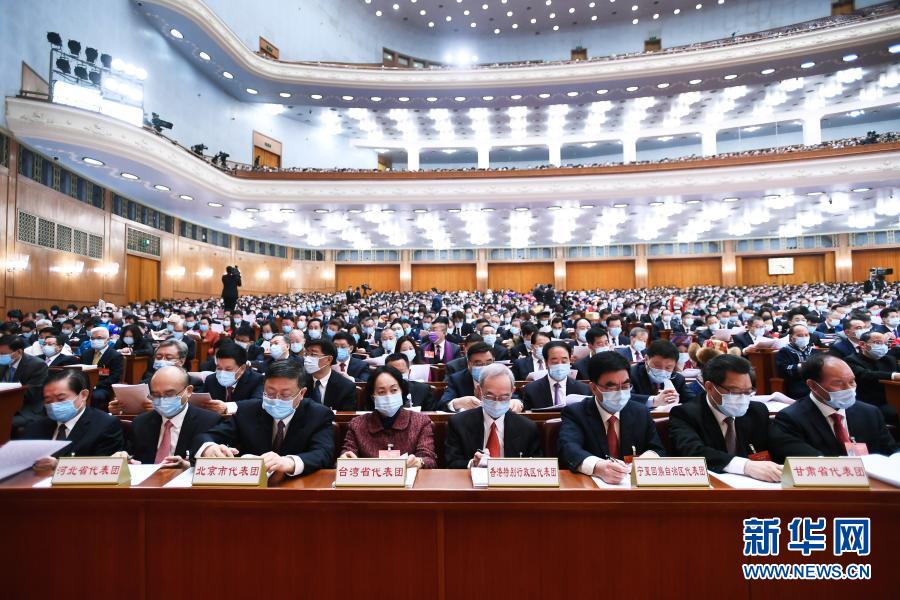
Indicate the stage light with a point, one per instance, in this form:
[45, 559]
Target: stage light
[74, 47]
[106, 61]
[90, 54]
[54, 39]
[63, 65]
[94, 76]
[198, 149]
[81, 72]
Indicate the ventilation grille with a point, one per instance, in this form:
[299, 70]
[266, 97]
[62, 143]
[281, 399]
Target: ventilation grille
[27, 228]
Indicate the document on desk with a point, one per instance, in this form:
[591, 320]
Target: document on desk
[18, 455]
[183, 480]
[883, 468]
[139, 474]
[9, 386]
[742, 482]
[479, 477]
[411, 473]
[132, 397]
[624, 484]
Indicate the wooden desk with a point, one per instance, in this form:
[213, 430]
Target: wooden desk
[442, 539]
[135, 367]
[892, 393]
[10, 402]
[763, 361]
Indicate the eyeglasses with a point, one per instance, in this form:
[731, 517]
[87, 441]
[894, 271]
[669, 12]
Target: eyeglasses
[282, 397]
[153, 398]
[734, 391]
[490, 398]
[614, 388]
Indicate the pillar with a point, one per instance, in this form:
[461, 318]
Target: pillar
[708, 142]
[412, 159]
[629, 150]
[843, 259]
[555, 153]
[559, 268]
[405, 270]
[812, 130]
[729, 264]
[640, 266]
[481, 269]
[484, 157]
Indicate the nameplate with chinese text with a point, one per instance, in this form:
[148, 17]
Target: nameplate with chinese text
[230, 472]
[822, 471]
[370, 472]
[669, 472]
[101, 470]
[523, 472]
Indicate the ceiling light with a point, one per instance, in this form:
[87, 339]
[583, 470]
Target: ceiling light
[589, 144]
[453, 210]
[420, 211]
[634, 8]
[695, 81]
[423, 12]
[676, 11]
[635, 21]
[554, 207]
[516, 97]
[176, 34]
[227, 75]
[631, 88]
[662, 86]
[186, 197]
[431, 23]
[488, 209]
[377, 13]
[252, 92]
[252, 210]
[162, 188]
[496, 31]
[521, 209]
[768, 71]
[808, 65]
[214, 204]
[320, 211]
[347, 98]
[396, 6]
[203, 55]
[692, 202]
[602, 92]
[730, 77]
[544, 95]
[388, 211]
[284, 94]
[655, 16]
[571, 94]
[556, 28]
[657, 203]
[894, 49]
[533, 21]
[93, 161]
[730, 199]
[375, 98]
[287, 211]
[515, 25]
[814, 193]
[449, 18]
[316, 96]
[431, 99]
[850, 57]
[354, 211]
[860, 190]
[130, 176]
[699, 6]
[460, 98]
[403, 98]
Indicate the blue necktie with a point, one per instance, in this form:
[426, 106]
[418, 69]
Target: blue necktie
[317, 391]
[11, 374]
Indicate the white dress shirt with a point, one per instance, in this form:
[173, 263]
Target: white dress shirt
[177, 422]
[487, 433]
[70, 424]
[298, 462]
[827, 411]
[587, 466]
[323, 385]
[738, 463]
[562, 389]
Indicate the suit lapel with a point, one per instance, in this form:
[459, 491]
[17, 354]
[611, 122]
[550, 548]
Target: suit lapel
[821, 426]
[711, 425]
[595, 423]
[186, 435]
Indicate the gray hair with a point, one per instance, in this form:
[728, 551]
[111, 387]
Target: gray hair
[496, 370]
[179, 345]
[637, 331]
[99, 329]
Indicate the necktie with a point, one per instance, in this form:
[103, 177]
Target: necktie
[730, 438]
[540, 365]
[229, 392]
[61, 432]
[437, 353]
[840, 432]
[637, 356]
[97, 355]
[11, 374]
[343, 368]
[279, 438]
[493, 443]
[165, 444]
[555, 394]
[317, 391]
[612, 438]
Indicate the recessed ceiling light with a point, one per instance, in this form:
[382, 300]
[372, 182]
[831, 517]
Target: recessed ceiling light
[375, 98]
[699, 6]
[354, 211]
[533, 21]
[544, 95]
[730, 76]
[284, 94]
[162, 188]
[347, 98]
[515, 25]
[521, 209]
[453, 210]
[860, 190]
[602, 92]
[316, 96]
[894, 49]
[203, 55]
[516, 97]
[850, 57]
[460, 98]
[403, 98]
[93, 161]
[554, 207]
[186, 197]
[676, 11]
[378, 13]
[772, 197]
[692, 202]
[556, 28]
[252, 92]
[130, 176]
[496, 31]
[419, 211]
[695, 81]
[252, 210]
[768, 71]
[814, 193]
[620, 205]
[488, 209]
[635, 21]
[571, 94]
[214, 204]
[808, 65]
[227, 75]
[662, 86]
[431, 23]
[730, 199]
[287, 211]
[431, 99]
[631, 88]
[176, 34]
[657, 203]
[321, 211]
[487, 98]
[388, 211]
[586, 206]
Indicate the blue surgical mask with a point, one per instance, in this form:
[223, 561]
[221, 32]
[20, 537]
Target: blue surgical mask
[559, 372]
[169, 406]
[178, 335]
[343, 354]
[389, 345]
[268, 335]
[276, 351]
[311, 363]
[639, 345]
[495, 408]
[296, 347]
[355, 337]
[61, 411]
[801, 342]
[614, 333]
[189, 324]
[329, 333]
[98, 344]
[490, 339]
[5, 359]
[876, 351]
[613, 402]
[388, 405]
[658, 375]
[314, 334]
[515, 330]
[49, 350]
[128, 340]
[278, 409]
[476, 373]
[410, 354]
[225, 378]
[734, 405]
[287, 328]
[159, 364]
[841, 399]
[170, 326]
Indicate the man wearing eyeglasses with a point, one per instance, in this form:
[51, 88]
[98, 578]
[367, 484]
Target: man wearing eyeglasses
[291, 433]
[165, 434]
[724, 426]
[460, 393]
[600, 431]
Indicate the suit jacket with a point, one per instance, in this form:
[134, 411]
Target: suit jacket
[31, 374]
[869, 374]
[450, 351]
[581, 365]
[95, 434]
[522, 367]
[458, 385]
[500, 352]
[420, 395]
[582, 434]
[842, 348]
[539, 393]
[145, 348]
[147, 426]
[356, 368]
[802, 430]
[694, 431]
[456, 365]
[411, 432]
[465, 436]
[248, 387]
[340, 394]
[64, 360]
[111, 360]
[628, 354]
[641, 384]
[251, 430]
[787, 364]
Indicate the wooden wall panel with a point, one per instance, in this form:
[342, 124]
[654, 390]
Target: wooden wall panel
[381, 278]
[863, 260]
[197, 257]
[443, 277]
[808, 268]
[521, 276]
[684, 272]
[604, 274]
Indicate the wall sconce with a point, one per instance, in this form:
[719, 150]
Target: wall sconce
[262, 274]
[175, 272]
[288, 274]
[17, 264]
[205, 273]
[843, 263]
[72, 269]
[107, 270]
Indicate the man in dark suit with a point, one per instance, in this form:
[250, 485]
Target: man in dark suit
[460, 393]
[90, 432]
[890, 322]
[830, 418]
[534, 359]
[233, 382]
[598, 341]
[438, 349]
[614, 327]
[724, 426]
[598, 431]
[334, 390]
[552, 389]
[789, 361]
[846, 344]
[634, 352]
[756, 329]
[419, 392]
[291, 433]
[166, 433]
[109, 362]
[492, 426]
[27, 370]
[650, 376]
[346, 362]
[53, 355]
[490, 337]
[871, 365]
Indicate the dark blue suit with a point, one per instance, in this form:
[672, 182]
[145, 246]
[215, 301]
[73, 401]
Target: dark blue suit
[458, 385]
[147, 426]
[95, 434]
[582, 434]
[248, 387]
[842, 348]
[641, 384]
[309, 435]
[539, 394]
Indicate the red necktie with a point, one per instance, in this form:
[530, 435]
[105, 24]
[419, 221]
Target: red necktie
[612, 438]
[840, 432]
[163, 451]
[343, 368]
[493, 443]
[228, 393]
